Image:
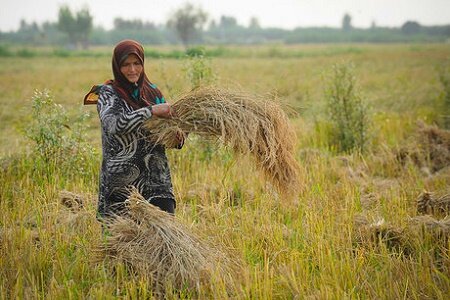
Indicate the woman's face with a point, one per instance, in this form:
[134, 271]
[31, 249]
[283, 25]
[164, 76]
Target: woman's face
[131, 68]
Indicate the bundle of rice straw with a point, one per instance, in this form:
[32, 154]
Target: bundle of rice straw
[438, 228]
[429, 147]
[408, 239]
[368, 234]
[74, 202]
[430, 203]
[246, 123]
[158, 247]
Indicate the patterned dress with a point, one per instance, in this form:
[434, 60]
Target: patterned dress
[129, 159]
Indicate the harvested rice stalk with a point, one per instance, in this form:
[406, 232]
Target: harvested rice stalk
[379, 232]
[157, 246]
[246, 123]
[428, 203]
[437, 229]
[408, 239]
[428, 148]
[436, 144]
[74, 202]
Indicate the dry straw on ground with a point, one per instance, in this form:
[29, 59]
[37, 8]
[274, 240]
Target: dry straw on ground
[420, 232]
[155, 245]
[73, 201]
[428, 148]
[372, 234]
[432, 204]
[246, 123]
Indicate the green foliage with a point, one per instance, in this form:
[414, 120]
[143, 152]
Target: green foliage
[26, 53]
[77, 27]
[198, 68]
[444, 77]
[153, 53]
[346, 109]
[67, 22]
[346, 23]
[4, 51]
[61, 53]
[202, 51]
[196, 51]
[84, 26]
[187, 21]
[411, 27]
[187, 25]
[56, 143]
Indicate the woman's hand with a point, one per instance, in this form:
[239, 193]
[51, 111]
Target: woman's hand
[163, 110]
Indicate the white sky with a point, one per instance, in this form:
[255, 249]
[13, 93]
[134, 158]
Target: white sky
[270, 13]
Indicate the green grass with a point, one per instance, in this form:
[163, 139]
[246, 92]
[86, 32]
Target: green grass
[292, 249]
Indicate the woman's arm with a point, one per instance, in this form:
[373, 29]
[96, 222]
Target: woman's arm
[113, 115]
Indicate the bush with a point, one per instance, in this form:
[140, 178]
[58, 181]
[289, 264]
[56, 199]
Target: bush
[346, 110]
[198, 70]
[61, 53]
[196, 51]
[217, 52]
[444, 76]
[151, 53]
[26, 53]
[4, 51]
[57, 145]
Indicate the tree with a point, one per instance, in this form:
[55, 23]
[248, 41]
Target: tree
[122, 24]
[30, 33]
[84, 26]
[24, 26]
[347, 22]
[227, 22]
[212, 25]
[187, 21]
[411, 27]
[67, 23]
[77, 27]
[254, 23]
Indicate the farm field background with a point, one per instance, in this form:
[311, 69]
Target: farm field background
[305, 247]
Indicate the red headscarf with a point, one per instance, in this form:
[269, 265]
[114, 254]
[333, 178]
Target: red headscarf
[148, 93]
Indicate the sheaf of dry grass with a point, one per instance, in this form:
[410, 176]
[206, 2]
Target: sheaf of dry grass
[244, 122]
[158, 247]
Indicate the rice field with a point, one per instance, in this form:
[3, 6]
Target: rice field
[358, 227]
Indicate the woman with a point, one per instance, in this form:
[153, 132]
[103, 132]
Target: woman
[129, 159]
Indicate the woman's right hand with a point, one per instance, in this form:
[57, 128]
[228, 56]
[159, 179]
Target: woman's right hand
[163, 110]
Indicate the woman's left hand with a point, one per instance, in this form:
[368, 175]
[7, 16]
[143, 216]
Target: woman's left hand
[163, 110]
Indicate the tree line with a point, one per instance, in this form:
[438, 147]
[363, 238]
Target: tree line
[189, 25]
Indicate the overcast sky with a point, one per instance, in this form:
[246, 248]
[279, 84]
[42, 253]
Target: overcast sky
[270, 13]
